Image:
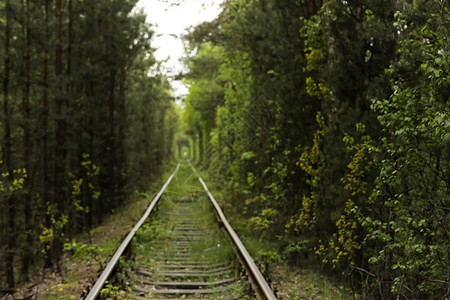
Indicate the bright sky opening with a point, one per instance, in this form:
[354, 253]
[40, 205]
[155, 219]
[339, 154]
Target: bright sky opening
[171, 18]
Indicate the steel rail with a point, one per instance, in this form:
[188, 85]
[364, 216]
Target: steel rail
[94, 292]
[259, 278]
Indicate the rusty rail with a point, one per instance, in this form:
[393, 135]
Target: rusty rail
[249, 263]
[95, 291]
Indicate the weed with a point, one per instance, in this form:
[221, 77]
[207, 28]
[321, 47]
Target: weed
[85, 253]
[112, 292]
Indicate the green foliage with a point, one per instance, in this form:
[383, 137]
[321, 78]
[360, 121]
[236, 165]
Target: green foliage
[413, 180]
[205, 94]
[296, 249]
[112, 292]
[151, 231]
[349, 223]
[84, 187]
[18, 178]
[54, 231]
[86, 253]
[311, 161]
[268, 257]
[263, 222]
[367, 190]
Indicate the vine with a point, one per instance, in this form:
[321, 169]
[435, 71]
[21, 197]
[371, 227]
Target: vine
[345, 243]
[311, 161]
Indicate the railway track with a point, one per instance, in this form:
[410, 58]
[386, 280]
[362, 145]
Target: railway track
[184, 248]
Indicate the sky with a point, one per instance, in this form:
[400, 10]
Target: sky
[170, 22]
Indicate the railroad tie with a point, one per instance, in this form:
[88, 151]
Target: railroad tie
[185, 267]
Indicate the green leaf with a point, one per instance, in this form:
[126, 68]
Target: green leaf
[248, 155]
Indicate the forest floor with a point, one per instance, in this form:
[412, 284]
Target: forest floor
[80, 271]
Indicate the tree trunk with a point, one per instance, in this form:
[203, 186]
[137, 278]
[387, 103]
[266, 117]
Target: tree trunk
[69, 44]
[60, 136]
[194, 147]
[27, 150]
[111, 158]
[46, 186]
[121, 167]
[200, 144]
[7, 158]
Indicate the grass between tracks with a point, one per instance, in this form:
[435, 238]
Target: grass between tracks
[155, 242]
[184, 185]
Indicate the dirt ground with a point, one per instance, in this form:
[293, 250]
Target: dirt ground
[78, 275]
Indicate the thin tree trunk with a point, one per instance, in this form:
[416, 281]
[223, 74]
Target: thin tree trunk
[60, 135]
[7, 158]
[27, 150]
[111, 143]
[313, 7]
[200, 145]
[72, 214]
[121, 138]
[69, 46]
[47, 186]
[93, 205]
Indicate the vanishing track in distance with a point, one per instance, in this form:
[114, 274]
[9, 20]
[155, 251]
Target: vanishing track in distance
[185, 249]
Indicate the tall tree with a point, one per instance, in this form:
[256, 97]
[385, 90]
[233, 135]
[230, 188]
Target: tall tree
[68, 105]
[27, 146]
[410, 256]
[9, 199]
[298, 136]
